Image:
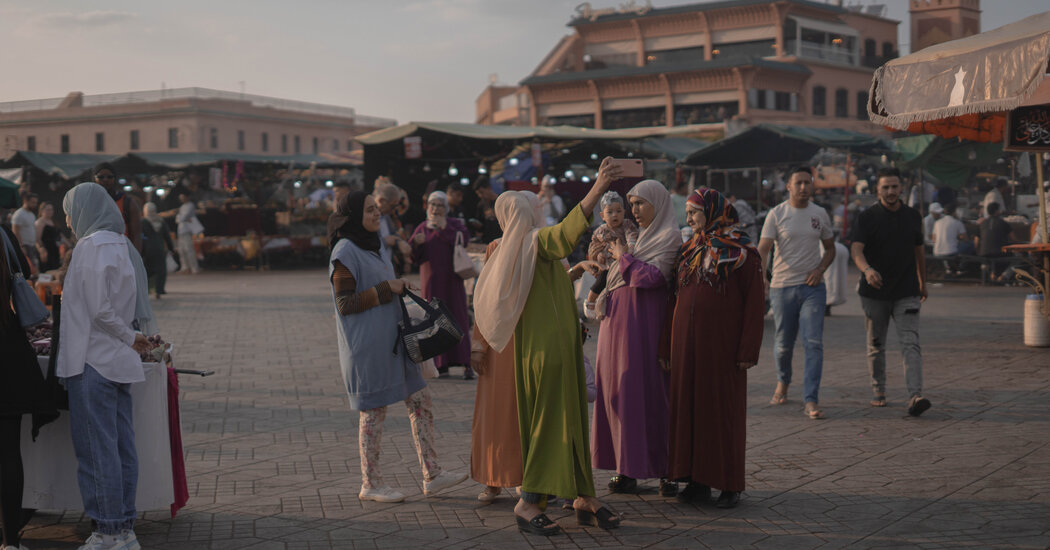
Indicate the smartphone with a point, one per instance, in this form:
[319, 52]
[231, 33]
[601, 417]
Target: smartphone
[632, 168]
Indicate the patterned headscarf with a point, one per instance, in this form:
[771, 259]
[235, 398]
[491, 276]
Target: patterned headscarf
[719, 247]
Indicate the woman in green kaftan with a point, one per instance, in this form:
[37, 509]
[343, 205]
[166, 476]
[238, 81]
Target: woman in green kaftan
[524, 292]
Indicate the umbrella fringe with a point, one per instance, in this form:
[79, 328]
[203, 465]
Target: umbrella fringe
[901, 123]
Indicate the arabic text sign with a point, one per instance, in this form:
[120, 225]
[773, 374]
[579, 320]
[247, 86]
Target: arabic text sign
[1028, 129]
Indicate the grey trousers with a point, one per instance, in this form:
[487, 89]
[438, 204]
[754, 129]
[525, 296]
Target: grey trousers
[905, 315]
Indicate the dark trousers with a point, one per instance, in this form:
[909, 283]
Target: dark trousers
[12, 479]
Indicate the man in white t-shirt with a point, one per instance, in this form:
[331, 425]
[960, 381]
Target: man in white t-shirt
[950, 239]
[996, 196]
[936, 211]
[23, 223]
[797, 293]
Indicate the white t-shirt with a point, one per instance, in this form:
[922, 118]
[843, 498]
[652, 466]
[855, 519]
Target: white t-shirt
[946, 236]
[797, 233]
[927, 228]
[187, 219]
[23, 222]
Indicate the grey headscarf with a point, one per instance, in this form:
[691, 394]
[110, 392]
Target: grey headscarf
[91, 209]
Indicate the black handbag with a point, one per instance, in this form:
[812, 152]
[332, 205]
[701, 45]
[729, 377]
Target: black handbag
[28, 307]
[434, 334]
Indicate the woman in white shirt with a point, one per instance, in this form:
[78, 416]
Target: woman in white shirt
[105, 294]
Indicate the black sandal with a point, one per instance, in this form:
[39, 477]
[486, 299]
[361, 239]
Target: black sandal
[539, 525]
[602, 518]
[623, 484]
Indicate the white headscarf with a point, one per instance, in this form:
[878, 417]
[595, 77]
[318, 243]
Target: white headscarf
[437, 196]
[657, 244]
[504, 284]
[91, 209]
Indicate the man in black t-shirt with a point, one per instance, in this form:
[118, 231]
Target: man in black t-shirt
[994, 235]
[888, 249]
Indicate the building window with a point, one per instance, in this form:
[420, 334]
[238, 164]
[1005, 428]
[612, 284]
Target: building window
[349, 145]
[820, 101]
[820, 44]
[65, 143]
[862, 105]
[674, 56]
[31, 143]
[315, 146]
[134, 140]
[297, 148]
[634, 118]
[888, 51]
[758, 48]
[173, 138]
[240, 140]
[213, 138]
[703, 113]
[605, 61]
[842, 103]
[284, 143]
[335, 145]
[581, 121]
[773, 100]
[100, 142]
[265, 142]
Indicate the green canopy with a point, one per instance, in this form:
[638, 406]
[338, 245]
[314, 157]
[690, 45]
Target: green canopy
[65, 165]
[8, 194]
[780, 145]
[948, 160]
[517, 133]
[183, 160]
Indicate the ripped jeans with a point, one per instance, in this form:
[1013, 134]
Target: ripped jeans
[800, 308]
[905, 315]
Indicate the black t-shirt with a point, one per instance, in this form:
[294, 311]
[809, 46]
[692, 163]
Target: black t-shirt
[995, 234]
[890, 238]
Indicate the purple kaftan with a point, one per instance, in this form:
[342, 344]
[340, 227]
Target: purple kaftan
[631, 414]
[438, 278]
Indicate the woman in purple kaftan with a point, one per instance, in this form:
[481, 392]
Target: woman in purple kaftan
[630, 426]
[433, 242]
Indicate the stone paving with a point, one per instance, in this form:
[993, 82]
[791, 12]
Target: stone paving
[271, 446]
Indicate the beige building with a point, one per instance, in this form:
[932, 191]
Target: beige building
[186, 120]
[729, 63]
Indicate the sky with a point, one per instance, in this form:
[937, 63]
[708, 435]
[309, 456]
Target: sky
[411, 60]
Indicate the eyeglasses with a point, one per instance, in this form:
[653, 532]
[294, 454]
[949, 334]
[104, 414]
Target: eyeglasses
[105, 176]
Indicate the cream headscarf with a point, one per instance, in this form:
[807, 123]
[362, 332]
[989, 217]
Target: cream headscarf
[504, 284]
[437, 196]
[657, 244]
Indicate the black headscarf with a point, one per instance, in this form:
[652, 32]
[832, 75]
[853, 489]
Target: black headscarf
[345, 223]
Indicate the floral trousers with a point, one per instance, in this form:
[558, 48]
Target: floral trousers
[421, 415]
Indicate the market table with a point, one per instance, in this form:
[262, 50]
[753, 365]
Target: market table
[51, 466]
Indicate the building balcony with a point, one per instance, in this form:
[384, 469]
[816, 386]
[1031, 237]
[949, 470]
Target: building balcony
[813, 50]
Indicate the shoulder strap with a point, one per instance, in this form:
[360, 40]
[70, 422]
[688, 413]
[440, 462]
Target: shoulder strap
[12, 258]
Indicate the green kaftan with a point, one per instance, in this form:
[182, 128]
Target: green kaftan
[549, 376]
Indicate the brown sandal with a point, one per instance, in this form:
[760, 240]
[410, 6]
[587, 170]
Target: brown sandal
[813, 412]
[778, 399]
[879, 400]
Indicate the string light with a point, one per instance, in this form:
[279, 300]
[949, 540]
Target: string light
[452, 170]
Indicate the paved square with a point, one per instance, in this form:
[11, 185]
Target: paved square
[272, 460]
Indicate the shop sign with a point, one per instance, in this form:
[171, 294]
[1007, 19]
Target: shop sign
[413, 147]
[1028, 128]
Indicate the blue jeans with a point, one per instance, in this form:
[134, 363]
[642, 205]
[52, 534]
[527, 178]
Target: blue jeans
[100, 418]
[800, 307]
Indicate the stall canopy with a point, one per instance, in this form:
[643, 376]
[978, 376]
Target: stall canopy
[8, 194]
[519, 133]
[963, 88]
[778, 145]
[948, 160]
[64, 165]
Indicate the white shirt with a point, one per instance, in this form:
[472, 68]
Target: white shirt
[23, 222]
[186, 217]
[98, 307]
[553, 210]
[797, 233]
[946, 236]
[927, 227]
[992, 196]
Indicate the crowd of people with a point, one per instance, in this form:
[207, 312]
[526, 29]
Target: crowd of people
[680, 323]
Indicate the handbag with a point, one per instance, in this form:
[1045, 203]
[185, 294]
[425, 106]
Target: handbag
[30, 310]
[170, 263]
[434, 334]
[462, 263]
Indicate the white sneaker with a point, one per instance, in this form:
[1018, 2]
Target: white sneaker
[443, 481]
[19, 547]
[98, 541]
[131, 542]
[381, 494]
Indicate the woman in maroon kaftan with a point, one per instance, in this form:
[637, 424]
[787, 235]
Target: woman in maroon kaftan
[715, 336]
[433, 242]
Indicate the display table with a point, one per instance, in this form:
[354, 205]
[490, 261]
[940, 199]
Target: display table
[51, 466]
